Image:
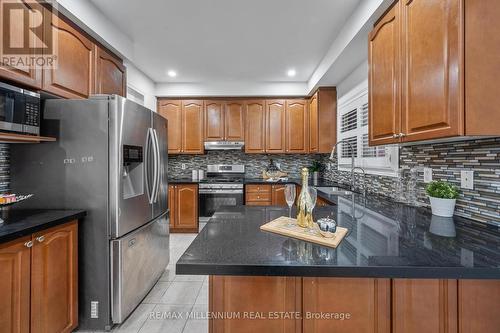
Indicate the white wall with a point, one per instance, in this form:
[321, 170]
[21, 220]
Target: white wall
[141, 83]
[358, 75]
[96, 24]
[93, 21]
[232, 89]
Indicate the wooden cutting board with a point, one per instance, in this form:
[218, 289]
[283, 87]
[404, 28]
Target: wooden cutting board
[279, 226]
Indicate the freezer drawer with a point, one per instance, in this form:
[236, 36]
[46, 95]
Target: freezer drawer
[137, 261]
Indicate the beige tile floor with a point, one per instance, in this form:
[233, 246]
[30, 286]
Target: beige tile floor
[172, 296]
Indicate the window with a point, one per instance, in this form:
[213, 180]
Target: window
[353, 128]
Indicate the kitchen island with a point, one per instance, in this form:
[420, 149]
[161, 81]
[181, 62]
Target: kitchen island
[399, 269]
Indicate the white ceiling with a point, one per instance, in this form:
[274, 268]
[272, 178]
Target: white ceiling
[229, 40]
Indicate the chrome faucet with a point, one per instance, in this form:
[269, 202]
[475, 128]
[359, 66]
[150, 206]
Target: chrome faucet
[332, 155]
[364, 178]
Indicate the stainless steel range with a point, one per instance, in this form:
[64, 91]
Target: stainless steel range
[223, 186]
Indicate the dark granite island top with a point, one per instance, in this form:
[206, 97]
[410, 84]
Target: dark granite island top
[23, 222]
[385, 240]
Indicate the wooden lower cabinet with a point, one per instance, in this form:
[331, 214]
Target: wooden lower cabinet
[478, 306]
[272, 195]
[357, 305]
[54, 279]
[278, 195]
[15, 269]
[257, 297]
[324, 305]
[39, 284]
[258, 195]
[183, 205]
[424, 306]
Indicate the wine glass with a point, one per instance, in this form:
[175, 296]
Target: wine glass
[313, 194]
[290, 193]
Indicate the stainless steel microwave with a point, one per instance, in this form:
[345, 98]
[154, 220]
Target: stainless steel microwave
[19, 110]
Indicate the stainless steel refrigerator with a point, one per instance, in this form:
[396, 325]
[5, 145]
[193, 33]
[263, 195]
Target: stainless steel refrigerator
[110, 158]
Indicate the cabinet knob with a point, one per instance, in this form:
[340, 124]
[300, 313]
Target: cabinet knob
[402, 135]
[40, 239]
[395, 136]
[28, 244]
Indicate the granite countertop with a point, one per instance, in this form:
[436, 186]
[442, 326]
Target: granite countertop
[386, 239]
[24, 222]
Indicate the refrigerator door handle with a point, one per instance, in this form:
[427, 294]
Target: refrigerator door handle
[156, 168]
[146, 159]
[159, 163]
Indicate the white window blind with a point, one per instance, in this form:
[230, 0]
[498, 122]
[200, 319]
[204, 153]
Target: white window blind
[353, 128]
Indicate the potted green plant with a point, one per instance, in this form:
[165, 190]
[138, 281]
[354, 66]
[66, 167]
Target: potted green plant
[314, 169]
[443, 197]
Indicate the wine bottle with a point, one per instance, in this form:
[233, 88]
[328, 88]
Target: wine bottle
[304, 216]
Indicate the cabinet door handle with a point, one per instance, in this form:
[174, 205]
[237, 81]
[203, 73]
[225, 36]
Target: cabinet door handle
[28, 244]
[402, 135]
[395, 136]
[40, 239]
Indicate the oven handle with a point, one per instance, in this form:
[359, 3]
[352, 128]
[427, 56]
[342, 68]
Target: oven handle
[210, 191]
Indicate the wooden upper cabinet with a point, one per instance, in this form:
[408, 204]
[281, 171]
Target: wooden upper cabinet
[234, 113]
[15, 269]
[297, 135]
[384, 79]
[432, 76]
[313, 124]
[110, 74]
[73, 76]
[54, 282]
[224, 120]
[214, 121]
[172, 111]
[327, 119]
[255, 126]
[367, 301]
[482, 66]
[275, 126]
[192, 127]
[26, 75]
[424, 305]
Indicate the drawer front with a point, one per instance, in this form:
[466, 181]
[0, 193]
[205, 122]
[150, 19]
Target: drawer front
[262, 196]
[258, 189]
[258, 203]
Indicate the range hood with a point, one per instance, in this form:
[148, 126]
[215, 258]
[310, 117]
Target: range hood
[224, 145]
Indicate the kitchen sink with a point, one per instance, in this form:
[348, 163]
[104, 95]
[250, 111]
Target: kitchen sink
[334, 190]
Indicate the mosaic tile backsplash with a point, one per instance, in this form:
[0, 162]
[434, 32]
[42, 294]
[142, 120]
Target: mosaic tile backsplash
[254, 163]
[447, 160]
[4, 168]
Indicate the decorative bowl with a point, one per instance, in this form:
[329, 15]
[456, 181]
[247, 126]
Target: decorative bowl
[327, 227]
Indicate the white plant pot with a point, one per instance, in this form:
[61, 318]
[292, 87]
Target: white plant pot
[442, 207]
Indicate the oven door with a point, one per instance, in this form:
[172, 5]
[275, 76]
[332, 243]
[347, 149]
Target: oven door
[211, 200]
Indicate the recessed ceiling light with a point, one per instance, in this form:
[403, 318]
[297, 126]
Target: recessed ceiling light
[291, 72]
[172, 73]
